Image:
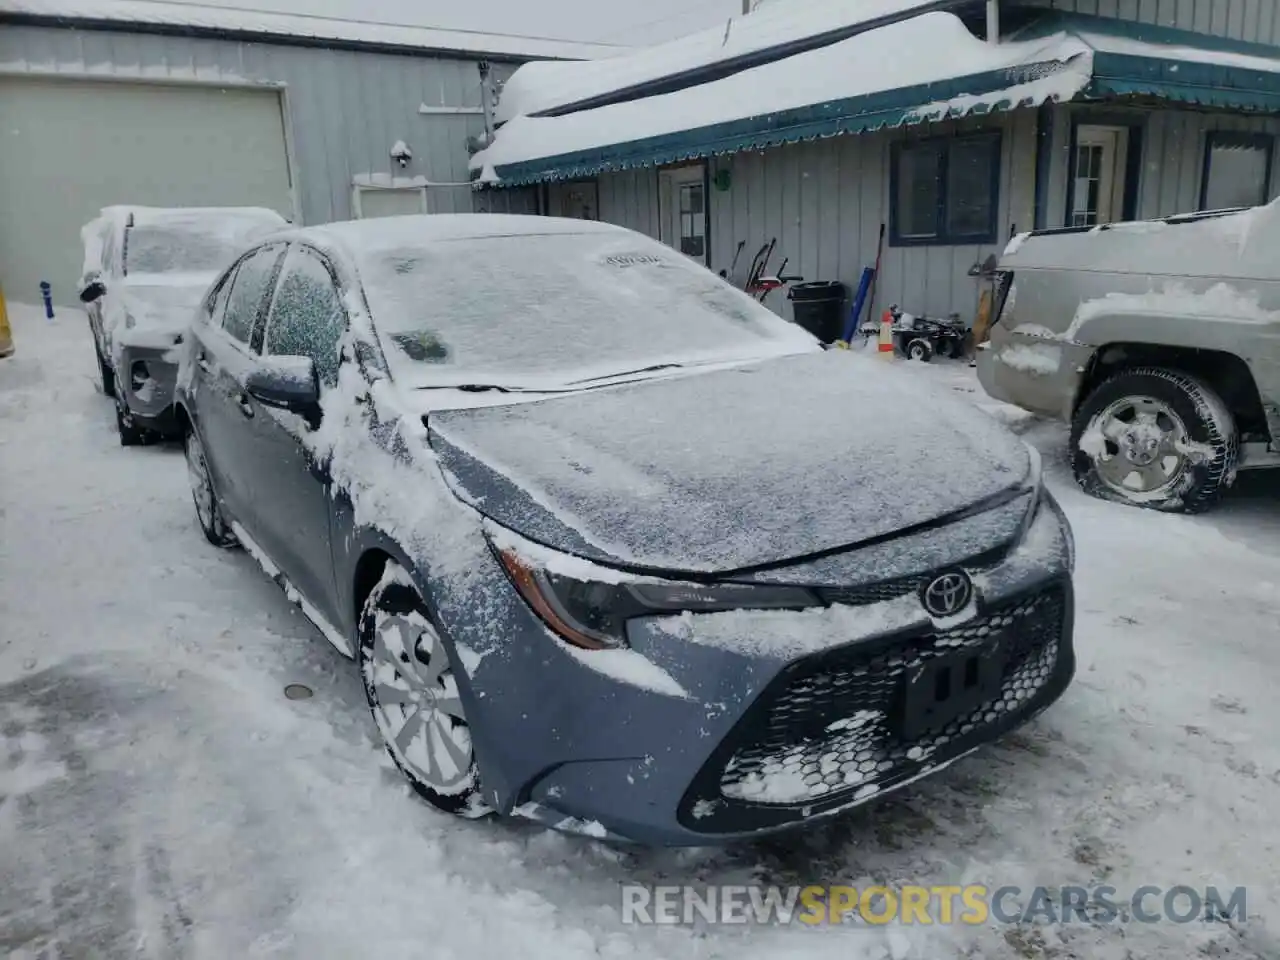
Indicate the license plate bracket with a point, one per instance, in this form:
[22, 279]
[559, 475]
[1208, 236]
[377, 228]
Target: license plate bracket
[951, 686]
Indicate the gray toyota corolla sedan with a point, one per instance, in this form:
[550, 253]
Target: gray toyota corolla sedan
[615, 548]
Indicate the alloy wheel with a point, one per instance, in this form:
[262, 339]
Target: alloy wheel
[416, 703]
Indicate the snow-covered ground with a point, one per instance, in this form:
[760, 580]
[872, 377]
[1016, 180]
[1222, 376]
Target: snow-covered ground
[160, 797]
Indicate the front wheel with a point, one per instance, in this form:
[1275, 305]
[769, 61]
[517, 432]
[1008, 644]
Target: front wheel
[131, 435]
[1155, 438]
[107, 378]
[413, 693]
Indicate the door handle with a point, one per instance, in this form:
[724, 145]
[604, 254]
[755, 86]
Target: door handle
[245, 406]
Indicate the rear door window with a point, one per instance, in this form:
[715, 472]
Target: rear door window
[248, 293]
[307, 318]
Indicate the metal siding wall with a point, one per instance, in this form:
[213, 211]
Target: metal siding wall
[1172, 156]
[825, 201]
[346, 108]
[630, 199]
[521, 200]
[1254, 20]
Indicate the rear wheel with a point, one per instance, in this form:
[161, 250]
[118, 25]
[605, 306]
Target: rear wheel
[208, 511]
[413, 693]
[1155, 438]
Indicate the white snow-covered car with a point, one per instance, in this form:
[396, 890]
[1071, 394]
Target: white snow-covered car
[145, 271]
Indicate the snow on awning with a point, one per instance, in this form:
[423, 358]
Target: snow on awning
[539, 88]
[926, 68]
[1133, 59]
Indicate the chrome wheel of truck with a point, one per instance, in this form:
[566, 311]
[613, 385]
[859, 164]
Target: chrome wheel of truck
[1154, 438]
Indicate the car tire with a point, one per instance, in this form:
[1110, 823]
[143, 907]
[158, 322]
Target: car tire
[920, 349]
[208, 510]
[1194, 437]
[131, 435]
[413, 693]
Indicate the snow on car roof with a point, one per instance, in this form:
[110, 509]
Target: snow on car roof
[358, 238]
[241, 19]
[543, 86]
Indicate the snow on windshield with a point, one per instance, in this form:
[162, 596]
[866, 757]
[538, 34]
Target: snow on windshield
[161, 249]
[520, 309]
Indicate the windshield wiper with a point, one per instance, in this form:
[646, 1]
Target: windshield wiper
[472, 387]
[629, 373]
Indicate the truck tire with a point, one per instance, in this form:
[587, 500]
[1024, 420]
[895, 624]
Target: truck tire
[1155, 438]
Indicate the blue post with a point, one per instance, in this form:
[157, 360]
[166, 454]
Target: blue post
[859, 301]
[46, 294]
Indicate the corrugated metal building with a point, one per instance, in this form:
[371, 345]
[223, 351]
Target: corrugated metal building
[133, 101]
[1119, 109]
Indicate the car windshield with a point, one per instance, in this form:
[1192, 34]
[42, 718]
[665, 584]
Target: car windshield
[186, 248]
[531, 310]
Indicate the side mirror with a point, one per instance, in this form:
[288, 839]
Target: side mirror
[91, 291]
[286, 383]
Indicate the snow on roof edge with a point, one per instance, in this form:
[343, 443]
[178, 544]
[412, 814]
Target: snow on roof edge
[269, 24]
[533, 89]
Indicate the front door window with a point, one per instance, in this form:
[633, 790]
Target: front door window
[684, 211]
[1097, 194]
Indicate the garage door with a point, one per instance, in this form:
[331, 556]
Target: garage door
[69, 148]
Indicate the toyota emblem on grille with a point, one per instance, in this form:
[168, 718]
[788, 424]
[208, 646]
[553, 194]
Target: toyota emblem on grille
[947, 595]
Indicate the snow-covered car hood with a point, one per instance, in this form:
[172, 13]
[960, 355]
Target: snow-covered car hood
[721, 471]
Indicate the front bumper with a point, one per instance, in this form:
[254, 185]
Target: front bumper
[146, 378]
[1038, 374]
[752, 736]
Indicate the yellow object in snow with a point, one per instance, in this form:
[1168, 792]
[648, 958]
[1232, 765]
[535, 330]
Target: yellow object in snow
[6, 335]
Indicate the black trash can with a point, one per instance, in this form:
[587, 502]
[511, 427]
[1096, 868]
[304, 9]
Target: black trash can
[820, 307]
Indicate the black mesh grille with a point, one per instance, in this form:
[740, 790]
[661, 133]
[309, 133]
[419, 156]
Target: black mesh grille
[872, 592]
[869, 593]
[831, 727]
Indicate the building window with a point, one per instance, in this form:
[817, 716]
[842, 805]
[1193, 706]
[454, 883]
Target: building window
[1237, 170]
[945, 191]
[693, 221]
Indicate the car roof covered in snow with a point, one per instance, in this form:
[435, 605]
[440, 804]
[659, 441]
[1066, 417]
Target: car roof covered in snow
[236, 21]
[358, 238]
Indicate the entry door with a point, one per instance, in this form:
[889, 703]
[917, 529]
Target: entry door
[1098, 175]
[683, 195]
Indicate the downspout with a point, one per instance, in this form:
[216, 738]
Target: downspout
[993, 21]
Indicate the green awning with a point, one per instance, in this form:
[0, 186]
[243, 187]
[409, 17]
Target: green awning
[1127, 60]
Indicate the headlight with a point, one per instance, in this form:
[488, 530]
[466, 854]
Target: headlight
[1034, 484]
[593, 613]
[1064, 525]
